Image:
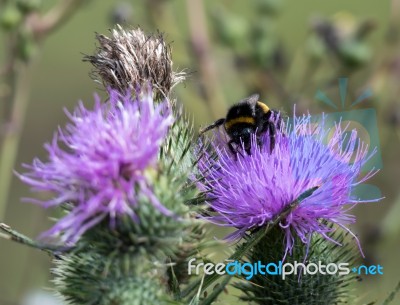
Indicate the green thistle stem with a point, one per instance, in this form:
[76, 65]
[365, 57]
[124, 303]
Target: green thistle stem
[7, 232]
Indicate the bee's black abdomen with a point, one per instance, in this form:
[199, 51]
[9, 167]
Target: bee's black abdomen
[240, 110]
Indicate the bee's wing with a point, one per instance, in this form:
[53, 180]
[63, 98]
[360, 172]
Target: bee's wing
[252, 99]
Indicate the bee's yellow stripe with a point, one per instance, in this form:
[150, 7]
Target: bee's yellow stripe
[243, 119]
[264, 107]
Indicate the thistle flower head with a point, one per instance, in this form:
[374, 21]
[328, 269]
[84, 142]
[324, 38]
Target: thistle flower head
[249, 190]
[97, 164]
[130, 59]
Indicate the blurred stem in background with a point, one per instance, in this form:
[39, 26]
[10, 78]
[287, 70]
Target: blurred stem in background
[202, 50]
[12, 132]
[25, 30]
[161, 16]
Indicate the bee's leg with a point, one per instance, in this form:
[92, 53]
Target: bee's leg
[233, 150]
[259, 142]
[280, 125]
[264, 127]
[272, 133]
[217, 123]
[248, 150]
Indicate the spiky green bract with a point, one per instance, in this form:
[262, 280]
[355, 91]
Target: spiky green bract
[126, 264]
[177, 158]
[177, 272]
[306, 289]
[176, 154]
[154, 236]
[86, 278]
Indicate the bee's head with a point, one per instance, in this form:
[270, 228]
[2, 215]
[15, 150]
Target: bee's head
[242, 134]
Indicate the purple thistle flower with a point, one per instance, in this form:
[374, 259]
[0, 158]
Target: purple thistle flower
[248, 191]
[97, 163]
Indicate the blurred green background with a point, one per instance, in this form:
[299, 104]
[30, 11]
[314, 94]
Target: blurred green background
[284, 50]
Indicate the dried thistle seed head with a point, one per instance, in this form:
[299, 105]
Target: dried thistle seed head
[131, 59]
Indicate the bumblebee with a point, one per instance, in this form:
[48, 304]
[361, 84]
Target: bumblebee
[248, 117]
